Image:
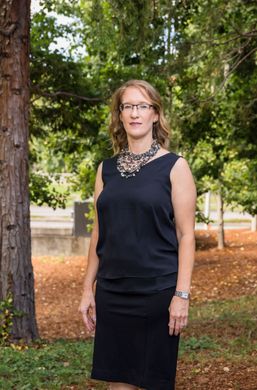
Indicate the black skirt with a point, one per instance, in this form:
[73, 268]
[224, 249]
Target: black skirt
[132, 343]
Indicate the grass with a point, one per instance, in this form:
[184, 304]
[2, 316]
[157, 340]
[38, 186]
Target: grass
[218, 329]
[223, 329]
[46, 366]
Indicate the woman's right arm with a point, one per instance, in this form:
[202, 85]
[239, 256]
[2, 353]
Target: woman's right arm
[87, 304]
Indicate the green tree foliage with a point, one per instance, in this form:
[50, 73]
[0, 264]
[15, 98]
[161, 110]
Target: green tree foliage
[201, 55]
[215, 95]
[67, 106]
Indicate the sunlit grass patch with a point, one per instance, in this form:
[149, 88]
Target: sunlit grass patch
[46, 365]
[227, 328]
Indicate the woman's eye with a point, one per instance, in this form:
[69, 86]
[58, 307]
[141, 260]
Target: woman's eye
[127, 106]
[143, 106]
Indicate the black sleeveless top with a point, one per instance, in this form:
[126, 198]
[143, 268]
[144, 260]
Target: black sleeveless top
[137, 244]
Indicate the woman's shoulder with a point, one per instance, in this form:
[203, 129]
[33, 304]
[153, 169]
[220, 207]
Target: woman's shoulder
[181, 170]
[164, 151]
[112, 158]
[107, 161]
[173, 157]
[107, 166]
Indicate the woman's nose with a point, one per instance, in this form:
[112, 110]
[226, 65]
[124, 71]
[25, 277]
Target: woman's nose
[134, 112]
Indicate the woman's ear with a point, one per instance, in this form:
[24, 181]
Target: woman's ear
[156, 117]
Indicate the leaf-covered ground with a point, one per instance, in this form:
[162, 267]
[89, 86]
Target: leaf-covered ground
[219, 346]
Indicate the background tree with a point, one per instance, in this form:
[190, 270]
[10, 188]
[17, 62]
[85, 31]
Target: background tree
[215, 99]
[16, 274]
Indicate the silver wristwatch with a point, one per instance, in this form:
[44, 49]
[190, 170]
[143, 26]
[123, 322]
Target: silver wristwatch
[182, 294]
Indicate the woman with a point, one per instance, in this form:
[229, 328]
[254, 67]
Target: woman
[142, 248]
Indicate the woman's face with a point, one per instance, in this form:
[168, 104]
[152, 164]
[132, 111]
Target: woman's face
[137, 114]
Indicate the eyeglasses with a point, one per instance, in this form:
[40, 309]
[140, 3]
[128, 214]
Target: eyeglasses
[141, 107]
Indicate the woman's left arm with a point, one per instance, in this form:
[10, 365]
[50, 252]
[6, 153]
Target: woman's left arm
[184, 203]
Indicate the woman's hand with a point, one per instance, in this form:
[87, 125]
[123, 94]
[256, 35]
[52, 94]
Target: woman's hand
[87, 308]
[178, 315]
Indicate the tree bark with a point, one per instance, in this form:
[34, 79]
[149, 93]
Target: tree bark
[16, 271]
[254, 223]
[207, 207]
[220, 210]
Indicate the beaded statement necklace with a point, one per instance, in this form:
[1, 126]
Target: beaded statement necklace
[128, 163]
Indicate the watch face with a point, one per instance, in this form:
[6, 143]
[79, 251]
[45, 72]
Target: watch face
[182, 294]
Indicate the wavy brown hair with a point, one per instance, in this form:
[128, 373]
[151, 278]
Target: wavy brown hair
[161, 130]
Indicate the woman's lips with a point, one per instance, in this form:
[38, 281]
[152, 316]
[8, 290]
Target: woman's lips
[135, 123]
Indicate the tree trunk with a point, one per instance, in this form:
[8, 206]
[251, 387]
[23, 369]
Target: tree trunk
[207, 207]
[16, 272]
[220, 220]
[254, 223]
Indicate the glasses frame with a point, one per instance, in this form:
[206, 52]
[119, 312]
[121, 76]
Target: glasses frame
[121, 108]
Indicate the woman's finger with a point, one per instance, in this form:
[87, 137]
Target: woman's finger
[94, 314]
[176, 326]
[171, 326]
[86, 320]
[89, 321]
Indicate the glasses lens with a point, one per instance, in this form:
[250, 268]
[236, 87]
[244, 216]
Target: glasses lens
[143, 107]
[127, 107]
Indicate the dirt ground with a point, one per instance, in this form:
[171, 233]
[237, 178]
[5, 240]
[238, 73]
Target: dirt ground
[218, 274]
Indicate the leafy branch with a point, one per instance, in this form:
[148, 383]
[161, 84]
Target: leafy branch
[41, 93]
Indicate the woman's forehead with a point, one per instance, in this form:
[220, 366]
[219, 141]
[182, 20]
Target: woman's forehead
[136, 93]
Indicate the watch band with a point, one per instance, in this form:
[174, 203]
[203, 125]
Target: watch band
[182, 294]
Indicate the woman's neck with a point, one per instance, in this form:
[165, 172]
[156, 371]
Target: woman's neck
[139, 146]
